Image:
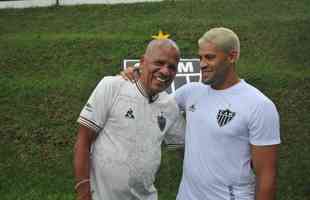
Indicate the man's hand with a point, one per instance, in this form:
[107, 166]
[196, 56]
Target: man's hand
[83, 192]
[131, 73]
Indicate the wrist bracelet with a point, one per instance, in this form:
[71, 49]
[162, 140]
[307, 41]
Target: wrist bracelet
[80, 183]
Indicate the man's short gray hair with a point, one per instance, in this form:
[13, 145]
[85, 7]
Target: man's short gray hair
[162, 43]
[224, 38]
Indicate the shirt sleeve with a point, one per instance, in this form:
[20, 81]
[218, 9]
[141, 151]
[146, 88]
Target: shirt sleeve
[95, 111]
[175, 135]
[180, 97]
[264, 126]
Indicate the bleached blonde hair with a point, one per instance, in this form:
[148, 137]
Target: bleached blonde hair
[223, 38]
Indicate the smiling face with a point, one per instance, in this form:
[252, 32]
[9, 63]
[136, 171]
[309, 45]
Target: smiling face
[216, 65]
[219, 50]
[159, 67]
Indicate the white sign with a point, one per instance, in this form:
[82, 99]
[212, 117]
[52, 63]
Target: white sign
[45, 3]
[27, 3]
[188, 71]
[75, 2]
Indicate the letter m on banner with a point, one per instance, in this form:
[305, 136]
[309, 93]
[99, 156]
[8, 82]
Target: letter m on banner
[188, 71]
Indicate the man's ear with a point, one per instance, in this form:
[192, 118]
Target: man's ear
[142, 60]
[142, 63]
[233, 56]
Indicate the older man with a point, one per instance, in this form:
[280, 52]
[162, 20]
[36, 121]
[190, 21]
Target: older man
[122, 126]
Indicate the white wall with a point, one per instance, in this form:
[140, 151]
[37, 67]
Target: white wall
[26, 3]
[44, 3]
[74, 2]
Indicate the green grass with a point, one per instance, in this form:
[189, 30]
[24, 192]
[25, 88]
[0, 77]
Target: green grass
[51, 59]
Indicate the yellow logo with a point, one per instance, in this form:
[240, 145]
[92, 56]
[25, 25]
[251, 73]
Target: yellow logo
[161, 36]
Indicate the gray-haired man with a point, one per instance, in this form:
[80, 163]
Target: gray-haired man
[122, 126]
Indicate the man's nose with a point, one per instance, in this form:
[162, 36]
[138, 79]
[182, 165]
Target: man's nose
[203, 64]
[165, 69]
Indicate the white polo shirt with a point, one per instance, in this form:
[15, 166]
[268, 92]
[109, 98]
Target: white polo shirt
[221, 126]
[126, 154]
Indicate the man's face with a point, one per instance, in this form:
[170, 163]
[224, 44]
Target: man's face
[159, 69]
[214, 64]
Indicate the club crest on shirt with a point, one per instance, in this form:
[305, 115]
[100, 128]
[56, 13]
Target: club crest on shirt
[224, 116]
[129, 114]
[192, 108]
[161, 120]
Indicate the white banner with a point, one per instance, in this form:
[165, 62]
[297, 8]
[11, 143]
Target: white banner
[27, 3]
[75, 2]
[46, 3]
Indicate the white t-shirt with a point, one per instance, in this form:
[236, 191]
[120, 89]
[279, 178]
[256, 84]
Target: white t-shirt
[127, 151]
[221, 126]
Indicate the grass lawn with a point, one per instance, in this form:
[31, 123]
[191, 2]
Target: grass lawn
[51, 59]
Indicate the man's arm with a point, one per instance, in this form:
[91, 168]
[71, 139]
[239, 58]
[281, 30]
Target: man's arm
[264, 160]
[82, 146]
